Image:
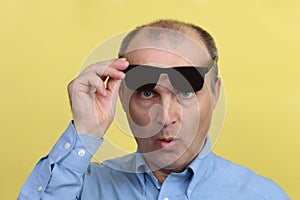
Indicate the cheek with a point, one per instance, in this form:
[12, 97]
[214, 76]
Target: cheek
[138, 113]
[197, 116]
[191, 121]
[205, 107]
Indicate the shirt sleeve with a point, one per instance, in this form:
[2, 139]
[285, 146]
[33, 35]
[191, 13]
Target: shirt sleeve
[59, 175]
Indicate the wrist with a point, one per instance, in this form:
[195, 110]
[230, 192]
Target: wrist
[88, 129]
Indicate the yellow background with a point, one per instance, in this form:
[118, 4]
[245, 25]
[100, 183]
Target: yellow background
[43, 44]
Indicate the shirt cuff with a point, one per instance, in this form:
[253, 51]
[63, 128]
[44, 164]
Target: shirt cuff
[91, 143]
[74, 151]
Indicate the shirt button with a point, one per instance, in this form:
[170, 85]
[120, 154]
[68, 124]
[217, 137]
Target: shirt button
[81, 152]
[166, 198]
[189, 192]
[39, 188]
[67, 146]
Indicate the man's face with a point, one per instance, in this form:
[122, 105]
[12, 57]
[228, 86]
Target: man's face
[170, 127]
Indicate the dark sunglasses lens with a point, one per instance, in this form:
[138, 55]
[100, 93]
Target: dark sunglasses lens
[141, 77]
[188, 79]
[183, 79]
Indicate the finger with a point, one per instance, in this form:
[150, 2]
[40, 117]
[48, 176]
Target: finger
[103, 65]
[97, 85]
[111, 72]
[113, 87]
[110, 68]
[120, 64]
[70, 88]
[90, 83]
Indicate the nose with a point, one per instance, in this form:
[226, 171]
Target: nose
[170, 111]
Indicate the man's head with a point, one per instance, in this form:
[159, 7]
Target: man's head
[170, 124]
[163, 27]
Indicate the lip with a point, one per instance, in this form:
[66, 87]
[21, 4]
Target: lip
[166, 143]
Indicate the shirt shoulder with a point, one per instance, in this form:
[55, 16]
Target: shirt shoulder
[247, 179]
[111, 180]
[123, 168]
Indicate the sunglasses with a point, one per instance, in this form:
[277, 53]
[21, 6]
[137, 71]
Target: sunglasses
[182, 78]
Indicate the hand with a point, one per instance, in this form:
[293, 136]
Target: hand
[93, 104]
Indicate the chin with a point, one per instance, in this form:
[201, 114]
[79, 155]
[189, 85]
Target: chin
[164, 160]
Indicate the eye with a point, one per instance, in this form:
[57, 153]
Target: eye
[186, 95]
[146, 94]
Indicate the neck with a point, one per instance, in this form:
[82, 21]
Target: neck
[163, 173]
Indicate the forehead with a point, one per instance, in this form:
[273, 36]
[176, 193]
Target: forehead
[167, 48]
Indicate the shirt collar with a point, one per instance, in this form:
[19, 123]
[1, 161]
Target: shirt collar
[198, 166]
[135, 163]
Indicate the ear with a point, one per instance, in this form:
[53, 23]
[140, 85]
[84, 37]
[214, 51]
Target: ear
[216, 93]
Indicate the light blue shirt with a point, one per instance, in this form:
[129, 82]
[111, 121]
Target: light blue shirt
[66, 173]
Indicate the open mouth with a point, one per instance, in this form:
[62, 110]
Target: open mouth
[166, 143]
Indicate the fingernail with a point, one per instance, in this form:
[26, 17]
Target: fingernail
[123, 75]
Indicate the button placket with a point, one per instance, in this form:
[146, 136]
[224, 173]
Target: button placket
[189, 192]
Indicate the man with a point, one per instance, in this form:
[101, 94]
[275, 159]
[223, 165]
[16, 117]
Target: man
[167, 80]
